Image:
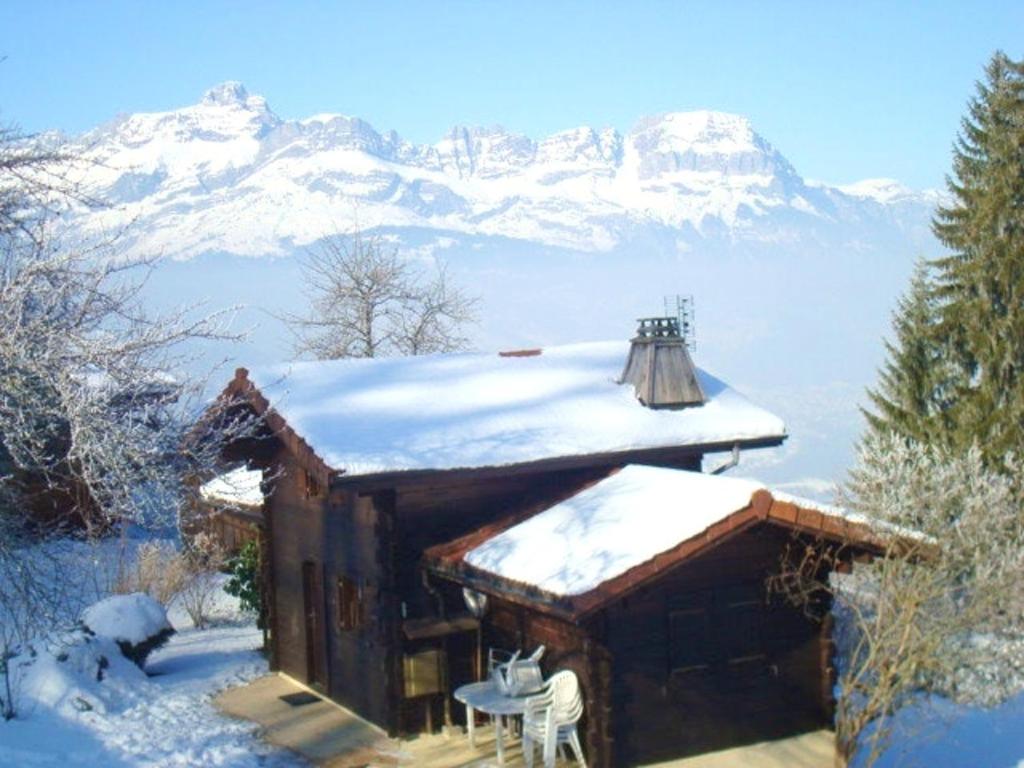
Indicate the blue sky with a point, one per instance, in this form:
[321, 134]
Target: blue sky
[846, 90]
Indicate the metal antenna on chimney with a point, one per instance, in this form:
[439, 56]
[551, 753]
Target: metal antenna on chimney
[681, 308]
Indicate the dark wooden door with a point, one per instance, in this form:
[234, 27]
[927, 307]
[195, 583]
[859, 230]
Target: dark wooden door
[313, 603]
[701, 670]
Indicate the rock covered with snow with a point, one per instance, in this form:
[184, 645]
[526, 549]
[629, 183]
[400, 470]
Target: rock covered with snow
[78, 672]
[129, 618]
[137, 623]
[80, 702]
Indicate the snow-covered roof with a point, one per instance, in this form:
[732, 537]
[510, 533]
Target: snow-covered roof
[611, 527]
[239, 486]
[577, 555]
[480, 410]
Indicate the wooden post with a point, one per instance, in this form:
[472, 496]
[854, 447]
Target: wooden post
[385, 503]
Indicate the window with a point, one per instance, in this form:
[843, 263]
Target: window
[312, 484]
[350, 604]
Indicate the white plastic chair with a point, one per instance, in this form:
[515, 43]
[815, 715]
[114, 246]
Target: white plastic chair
[550, 719]
[514, 676]
[497, 657]
[502, 666]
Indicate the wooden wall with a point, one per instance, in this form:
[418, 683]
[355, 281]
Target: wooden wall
[363, 662]
[233, 528]
[376, 536]
[706, 659]
[568, 646]
[295, 527]
[700, 660]
[336, 534]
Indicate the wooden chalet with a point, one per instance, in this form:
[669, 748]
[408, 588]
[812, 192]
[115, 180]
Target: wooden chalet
[386, 471]
[652, 585]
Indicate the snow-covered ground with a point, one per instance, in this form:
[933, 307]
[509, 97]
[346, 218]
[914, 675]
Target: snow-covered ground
[129, 719]
[942, 735]
[166, 719]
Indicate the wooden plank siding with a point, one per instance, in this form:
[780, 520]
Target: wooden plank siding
[232, 528]
[450, 506]
[341, 535]
[568, 646]
[295, 534]
[705, 658]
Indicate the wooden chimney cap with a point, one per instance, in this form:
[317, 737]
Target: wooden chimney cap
[659, 366]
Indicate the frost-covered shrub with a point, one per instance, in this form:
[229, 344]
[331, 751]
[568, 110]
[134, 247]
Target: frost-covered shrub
[137, 623]
[938, 611]
[159, 569]
[203, 584]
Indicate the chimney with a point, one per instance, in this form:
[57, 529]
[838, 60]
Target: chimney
[660, 368]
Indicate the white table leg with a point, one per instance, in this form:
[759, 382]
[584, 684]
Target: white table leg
[471, 725]
[500, 741]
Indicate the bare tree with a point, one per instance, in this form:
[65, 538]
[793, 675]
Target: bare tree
[39, 178]
[939, 611]
[367, 301]
[96, 399]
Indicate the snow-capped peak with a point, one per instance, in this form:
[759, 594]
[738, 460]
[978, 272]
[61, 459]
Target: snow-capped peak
[226, 94]
[233, 95]
[708, 142]
[704, 131]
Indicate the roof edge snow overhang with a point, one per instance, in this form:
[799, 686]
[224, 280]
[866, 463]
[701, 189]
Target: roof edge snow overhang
[448, 560]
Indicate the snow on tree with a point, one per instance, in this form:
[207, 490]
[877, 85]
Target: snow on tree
[96, 400]
[939, 611]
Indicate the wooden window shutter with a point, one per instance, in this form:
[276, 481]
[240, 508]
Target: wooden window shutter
[350, 604]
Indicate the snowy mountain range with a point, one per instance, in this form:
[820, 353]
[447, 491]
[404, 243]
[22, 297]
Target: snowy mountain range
[228, 175]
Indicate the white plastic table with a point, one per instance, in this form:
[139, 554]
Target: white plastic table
[486, 698]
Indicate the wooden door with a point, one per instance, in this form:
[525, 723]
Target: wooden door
[313, 604]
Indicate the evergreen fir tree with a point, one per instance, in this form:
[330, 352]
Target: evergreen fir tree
[905, 399]
[981, 285]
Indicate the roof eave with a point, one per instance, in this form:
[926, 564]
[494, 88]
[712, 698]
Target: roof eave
[554, 463]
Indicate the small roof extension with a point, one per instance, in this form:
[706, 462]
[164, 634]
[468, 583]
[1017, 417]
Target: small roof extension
[575, 556]
[464, 411]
